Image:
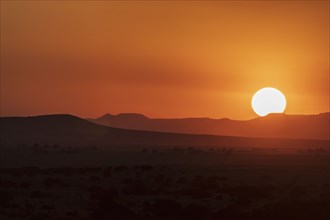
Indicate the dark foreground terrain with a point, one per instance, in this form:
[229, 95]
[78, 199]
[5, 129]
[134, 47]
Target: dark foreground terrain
[64, 167]
[173, 183]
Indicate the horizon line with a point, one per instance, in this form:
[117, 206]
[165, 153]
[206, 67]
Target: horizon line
[161, 118]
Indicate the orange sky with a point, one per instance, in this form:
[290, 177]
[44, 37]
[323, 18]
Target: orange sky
[162, 59]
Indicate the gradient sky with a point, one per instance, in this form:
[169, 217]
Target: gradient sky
[162, 59]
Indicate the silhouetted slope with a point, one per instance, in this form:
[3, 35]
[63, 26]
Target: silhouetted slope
[68, 129]
[50, 127]
[273, 125]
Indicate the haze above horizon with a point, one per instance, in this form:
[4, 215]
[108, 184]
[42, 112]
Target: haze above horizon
[164, 59]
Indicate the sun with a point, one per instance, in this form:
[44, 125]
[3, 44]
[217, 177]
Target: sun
[268, 100]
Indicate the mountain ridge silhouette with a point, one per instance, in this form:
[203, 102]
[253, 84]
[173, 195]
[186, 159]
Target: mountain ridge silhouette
[273, 125]
[72, 130]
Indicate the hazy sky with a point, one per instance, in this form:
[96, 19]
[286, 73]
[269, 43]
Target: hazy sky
[162, 59]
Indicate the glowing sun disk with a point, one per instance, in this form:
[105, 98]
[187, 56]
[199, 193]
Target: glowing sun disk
[268, 100]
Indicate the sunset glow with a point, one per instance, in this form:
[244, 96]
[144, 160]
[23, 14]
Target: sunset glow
[164, 110]
[162, 59]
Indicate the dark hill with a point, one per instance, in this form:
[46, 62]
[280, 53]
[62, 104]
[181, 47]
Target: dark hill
[68, 129]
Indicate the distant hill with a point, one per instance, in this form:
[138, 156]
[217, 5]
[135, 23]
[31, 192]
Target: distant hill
[273, 125]
[68, 129]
